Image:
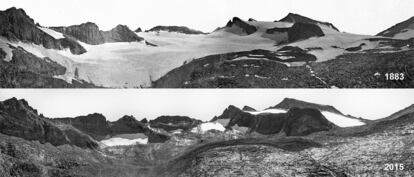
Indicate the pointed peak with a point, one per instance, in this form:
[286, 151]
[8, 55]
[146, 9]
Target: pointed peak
[297, 18]
[252, 20]
[138, 30]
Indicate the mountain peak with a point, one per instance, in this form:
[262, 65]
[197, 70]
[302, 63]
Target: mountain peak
[14, 104]
[248, 108]
[297, 18]
[289, 103]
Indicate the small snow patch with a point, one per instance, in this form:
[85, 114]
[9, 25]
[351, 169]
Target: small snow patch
[52, 33]
[124, 141]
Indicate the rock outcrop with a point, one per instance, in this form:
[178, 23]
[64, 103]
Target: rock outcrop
[296, 122]
[138, 30]
[18, 119]
[296, 18]
[94, 125]
[289, 103]
[127, 125]
[3, 54]
[16, 25]
[301, 31]
[248, 108]
[398, 28]
[26, 70]
[178, 29]
[304, 121]
[170, 123]
[121, 33]
[89, 33]
[245, 27]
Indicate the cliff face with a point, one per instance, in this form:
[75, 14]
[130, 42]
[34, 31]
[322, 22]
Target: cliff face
[26, 70]
[16, 25]
[296, 122]
[89, 33]
[18, 119]
[248, 29]
[301, 31]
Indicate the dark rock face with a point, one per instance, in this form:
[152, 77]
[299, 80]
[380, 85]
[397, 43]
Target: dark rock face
[94, 125]
[154, 137]
[171, 123]
[87, 32]
[127, 125]
[3, 54]
[178, 29]
[279, 30]
[28, 62]
[300, 31]
[90, 33]
[26, 70]
[138, 30]
[121, 33]
[305, 121]
[18, 119]
[289, 103]
[248, 29]
[296, 122]
[296, 18]
[144, 120]
[262, 123]
[248, 108]
[398, 28]
[252, 20]
[16, 25]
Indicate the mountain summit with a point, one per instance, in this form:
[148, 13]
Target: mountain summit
[296, 18]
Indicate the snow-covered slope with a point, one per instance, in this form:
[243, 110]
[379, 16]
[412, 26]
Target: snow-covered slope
[52, 33]
[334, 44]
[340, 120]
[206, 126]
[124, 141]
[405, 34]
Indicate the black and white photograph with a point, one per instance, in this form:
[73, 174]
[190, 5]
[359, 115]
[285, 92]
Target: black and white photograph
[207, 44]
[207, 88]
[154, 133]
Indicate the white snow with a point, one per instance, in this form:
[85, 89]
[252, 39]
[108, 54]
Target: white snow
[52, 33]
[124, 141]
[4, 45]
[341, 120]
[204, 127]
[334, 38]
[272, 111]
[407, 34]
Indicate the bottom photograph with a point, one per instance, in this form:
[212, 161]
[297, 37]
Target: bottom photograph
[188, 133]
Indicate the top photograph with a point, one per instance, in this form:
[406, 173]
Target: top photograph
[207, 44]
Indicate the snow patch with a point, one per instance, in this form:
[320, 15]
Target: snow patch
[406, 34]
[267, 111]
[124, 141]
[341, 120]
[52, 33]
[204, 127]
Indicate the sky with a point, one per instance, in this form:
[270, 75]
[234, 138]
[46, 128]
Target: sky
[204, 104]
[355, 16]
